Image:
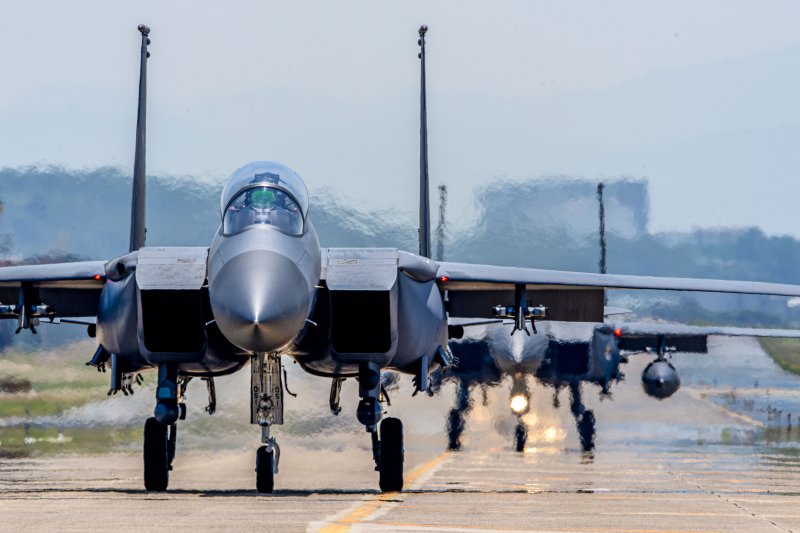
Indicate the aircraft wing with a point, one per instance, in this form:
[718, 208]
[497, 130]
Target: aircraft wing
[71, 289]
[641, 336]
[474, 290]
[654, 329]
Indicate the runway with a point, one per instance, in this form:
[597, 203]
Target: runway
[686, 464]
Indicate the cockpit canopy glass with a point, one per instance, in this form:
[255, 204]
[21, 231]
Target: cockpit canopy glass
[264, 193]
[263, 205]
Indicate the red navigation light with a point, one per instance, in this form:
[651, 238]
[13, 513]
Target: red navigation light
[618, 332]
[97, 277]
[444, 279]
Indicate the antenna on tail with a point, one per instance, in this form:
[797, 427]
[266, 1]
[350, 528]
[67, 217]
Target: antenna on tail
[138, 197]
[424, 199]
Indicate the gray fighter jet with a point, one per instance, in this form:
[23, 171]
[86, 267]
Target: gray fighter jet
[264, 288]
[571, 356]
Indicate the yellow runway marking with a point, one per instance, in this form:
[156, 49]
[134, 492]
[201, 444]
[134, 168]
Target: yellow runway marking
[368, 508]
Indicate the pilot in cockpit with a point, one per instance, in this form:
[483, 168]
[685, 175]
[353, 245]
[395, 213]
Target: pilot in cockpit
[263, 205]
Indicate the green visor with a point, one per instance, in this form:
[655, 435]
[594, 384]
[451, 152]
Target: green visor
[262, 197]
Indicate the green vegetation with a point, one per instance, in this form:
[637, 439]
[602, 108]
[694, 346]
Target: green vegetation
[16, 442]
[43, 382]
[785, 352]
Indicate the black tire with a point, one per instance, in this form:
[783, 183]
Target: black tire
[520, 437]
[586, 430]
[156, 456]
[265, 470]
[390, 464]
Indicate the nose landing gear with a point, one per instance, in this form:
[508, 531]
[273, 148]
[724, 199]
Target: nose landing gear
[520, 436]
[266, 409]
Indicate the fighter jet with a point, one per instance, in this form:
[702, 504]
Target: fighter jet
[571, 356]
[264, 289]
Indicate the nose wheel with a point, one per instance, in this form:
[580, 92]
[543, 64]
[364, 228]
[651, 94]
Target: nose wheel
[265, 470]
[391, 455]
[266, 409]
[156, 456]
[520, 436]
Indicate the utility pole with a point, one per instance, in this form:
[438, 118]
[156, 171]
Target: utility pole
[442, 227]
[602, 263]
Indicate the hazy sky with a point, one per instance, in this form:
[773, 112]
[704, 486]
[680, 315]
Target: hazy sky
[700, 98]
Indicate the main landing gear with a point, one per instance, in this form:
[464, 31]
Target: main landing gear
[584, 418]
[161, 430]
[456, 420]
[387, 448]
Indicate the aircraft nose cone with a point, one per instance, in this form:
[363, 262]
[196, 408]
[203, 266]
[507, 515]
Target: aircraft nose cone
[260, 300]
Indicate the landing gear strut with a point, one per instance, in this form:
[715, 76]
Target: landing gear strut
[584, 418]
[266, 409]
[160, 432]
[387, 449]
[520, 436]
[456, 421]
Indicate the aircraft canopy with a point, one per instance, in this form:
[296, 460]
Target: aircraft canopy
[262, 175]
[263, 206]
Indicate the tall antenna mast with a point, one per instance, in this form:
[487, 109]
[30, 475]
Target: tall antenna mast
[424, 199]
[138, 197]
[602, 263]
[441, 228]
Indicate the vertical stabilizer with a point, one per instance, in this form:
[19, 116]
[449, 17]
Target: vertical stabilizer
[138, 197]
[424, 198]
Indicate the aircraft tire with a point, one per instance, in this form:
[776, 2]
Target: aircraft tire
[156, 456]
[520, 437]
[390, 465]
[265, 470]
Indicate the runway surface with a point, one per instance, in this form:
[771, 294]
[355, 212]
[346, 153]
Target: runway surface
[691, 463]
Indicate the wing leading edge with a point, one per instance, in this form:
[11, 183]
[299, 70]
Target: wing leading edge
[464, 276]
[69, 289]
[474, 290]
[91, 273]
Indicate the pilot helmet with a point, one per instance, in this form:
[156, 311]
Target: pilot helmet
[262, 197]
